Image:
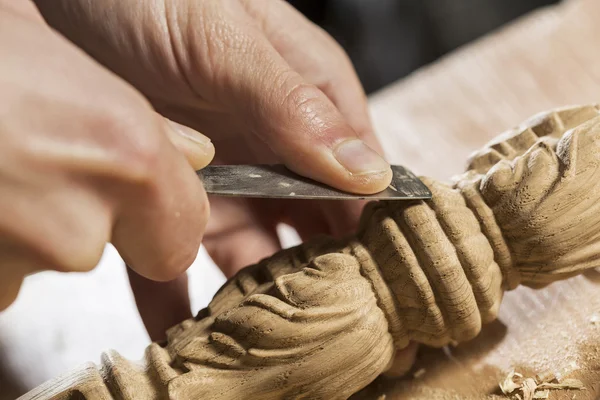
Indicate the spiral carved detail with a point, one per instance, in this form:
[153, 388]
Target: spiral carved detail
[449, 260]
[324, 319]
[438, 264]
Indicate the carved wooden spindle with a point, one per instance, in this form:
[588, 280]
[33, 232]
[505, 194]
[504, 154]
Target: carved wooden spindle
[324, 319]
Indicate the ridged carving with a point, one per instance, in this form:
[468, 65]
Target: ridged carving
[324, 319]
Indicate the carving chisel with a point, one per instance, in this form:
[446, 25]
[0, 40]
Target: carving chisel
[276, 181]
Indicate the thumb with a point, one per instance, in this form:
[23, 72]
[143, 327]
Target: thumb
[300, 123]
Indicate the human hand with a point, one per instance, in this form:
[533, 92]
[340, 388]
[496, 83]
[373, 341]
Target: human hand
[85, 160]
[239, 70]
[266, 85]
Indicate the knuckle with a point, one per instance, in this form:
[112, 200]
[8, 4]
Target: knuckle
[141, 160]
[331, 49]
[133, 142]
[300, 96]
[78, 245]
[338, 52]
[81, 255]
[56, 243]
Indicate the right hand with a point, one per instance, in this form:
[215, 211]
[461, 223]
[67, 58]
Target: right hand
[85, 160]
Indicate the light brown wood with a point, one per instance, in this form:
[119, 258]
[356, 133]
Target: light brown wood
[324, 319]
[537, 331]
[544, 60]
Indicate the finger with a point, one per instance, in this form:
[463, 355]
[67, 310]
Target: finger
[296, 119]
[160, 304]
[19, 259]
[25, 9]
[236, 238]
[306, 218]
[197, 148]
[161, 218]
[241, 247]
[323, 63]
[310, 218]
[9, 290]
[301, 125]
[342, 217]
[15, 264]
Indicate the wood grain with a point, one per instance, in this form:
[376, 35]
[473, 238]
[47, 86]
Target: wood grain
[431, 121]
[324, 319]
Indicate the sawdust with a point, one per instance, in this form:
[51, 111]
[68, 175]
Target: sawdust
[515, 385]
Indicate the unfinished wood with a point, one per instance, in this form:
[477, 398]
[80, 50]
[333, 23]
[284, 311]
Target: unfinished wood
[544, 60]
[325, 319]
[537, 331]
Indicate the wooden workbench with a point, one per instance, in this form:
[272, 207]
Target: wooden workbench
[431, 122]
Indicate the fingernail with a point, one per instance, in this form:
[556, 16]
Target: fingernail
[359, 159]
[197, 148]
[190, 134]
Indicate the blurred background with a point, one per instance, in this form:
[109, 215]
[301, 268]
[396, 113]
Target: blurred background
[388, 39]
[61, 321]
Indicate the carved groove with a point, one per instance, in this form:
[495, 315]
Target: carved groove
[323, 319]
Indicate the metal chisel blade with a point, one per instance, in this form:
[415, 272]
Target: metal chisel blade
[276, 181]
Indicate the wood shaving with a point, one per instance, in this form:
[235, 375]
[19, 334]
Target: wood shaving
[508, 385]
[382, 397]
[536, 388]
[528, 388]
[545, 377]
[566, 384]
[419, 373]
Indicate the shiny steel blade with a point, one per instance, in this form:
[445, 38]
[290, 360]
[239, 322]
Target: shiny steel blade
[276, 181]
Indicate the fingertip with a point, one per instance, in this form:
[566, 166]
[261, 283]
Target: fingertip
[359, 159]
[368, 182]
[350, 165]
[197, 148]
[316, 141]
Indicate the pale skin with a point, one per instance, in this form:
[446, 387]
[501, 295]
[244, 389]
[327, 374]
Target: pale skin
[101, 147]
